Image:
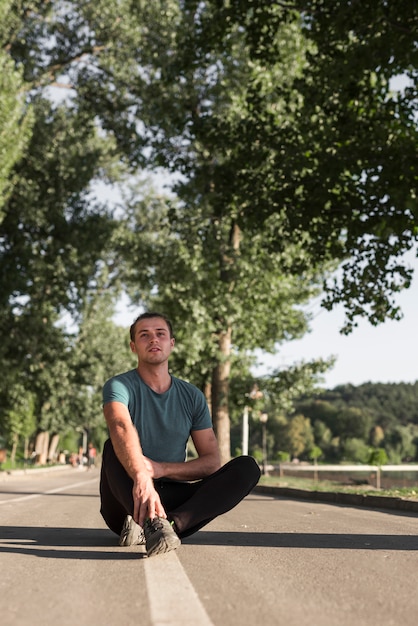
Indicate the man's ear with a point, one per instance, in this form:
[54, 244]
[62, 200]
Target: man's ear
[132, 347]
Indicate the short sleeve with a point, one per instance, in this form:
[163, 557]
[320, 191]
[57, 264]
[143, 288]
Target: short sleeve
[202, 418]
[115, 390]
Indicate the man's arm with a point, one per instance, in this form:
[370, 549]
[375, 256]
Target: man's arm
[208, 460]
[127, 446]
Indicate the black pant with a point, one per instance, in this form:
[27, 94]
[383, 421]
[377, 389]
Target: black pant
[190, 505]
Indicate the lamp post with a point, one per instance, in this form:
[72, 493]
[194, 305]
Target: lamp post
[245, 431]
[255, 394]
[263, 419]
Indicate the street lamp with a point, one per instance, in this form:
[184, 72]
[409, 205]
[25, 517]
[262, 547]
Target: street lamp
[245, 429]
[255, 394]
[263, 419]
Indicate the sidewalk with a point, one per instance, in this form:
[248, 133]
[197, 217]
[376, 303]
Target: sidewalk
[348, 499]
[4, 474]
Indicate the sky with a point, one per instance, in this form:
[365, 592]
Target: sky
[387, 353]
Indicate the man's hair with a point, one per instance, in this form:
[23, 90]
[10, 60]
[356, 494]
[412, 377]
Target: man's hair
[146, 316]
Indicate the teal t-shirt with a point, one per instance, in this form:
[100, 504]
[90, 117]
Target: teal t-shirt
[164, 420]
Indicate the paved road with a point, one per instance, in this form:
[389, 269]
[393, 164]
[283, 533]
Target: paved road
[269, 561]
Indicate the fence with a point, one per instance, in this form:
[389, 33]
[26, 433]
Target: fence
[375, 473]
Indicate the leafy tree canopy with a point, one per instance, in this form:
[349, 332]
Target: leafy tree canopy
[291, 153]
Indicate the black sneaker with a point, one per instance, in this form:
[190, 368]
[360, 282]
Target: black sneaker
[160, 536]
[132, 534]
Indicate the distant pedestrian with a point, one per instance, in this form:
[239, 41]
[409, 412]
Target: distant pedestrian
[92, 454]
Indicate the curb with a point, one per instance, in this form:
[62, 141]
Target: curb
[5, 474]
[349, 499]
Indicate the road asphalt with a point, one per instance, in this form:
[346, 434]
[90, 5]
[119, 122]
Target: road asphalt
[272, 560]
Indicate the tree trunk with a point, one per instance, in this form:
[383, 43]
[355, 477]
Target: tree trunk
[53, 447]
[208, 395]
[26, 449]
[220, 395]
[14, 448]
[41, 447]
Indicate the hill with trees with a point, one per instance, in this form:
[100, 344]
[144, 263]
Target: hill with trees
[348, 422]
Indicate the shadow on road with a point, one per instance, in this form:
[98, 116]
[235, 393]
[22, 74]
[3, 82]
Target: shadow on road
[46, 543]
[305, 540]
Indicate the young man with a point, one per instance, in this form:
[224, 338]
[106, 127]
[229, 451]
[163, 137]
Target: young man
[149, 493]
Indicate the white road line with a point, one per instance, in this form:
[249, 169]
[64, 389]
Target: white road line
[46, 493]
[172, 597]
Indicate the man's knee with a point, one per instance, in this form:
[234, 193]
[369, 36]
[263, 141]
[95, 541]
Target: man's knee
[250, 466]
[246, 467]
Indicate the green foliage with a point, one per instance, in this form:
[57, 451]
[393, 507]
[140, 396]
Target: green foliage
[350, 170]
[377, 435]
[315, 453]
[388, 403]
[19, 418]
[354, 450]
[401, 442]
[57, 246]
[266, 112]
[15, 115]
[289, 154]
[298, 436]
[377, 456]
[348, 420]
[282, 457]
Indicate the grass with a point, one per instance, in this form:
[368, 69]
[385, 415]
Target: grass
[7, 466]
[309, 484]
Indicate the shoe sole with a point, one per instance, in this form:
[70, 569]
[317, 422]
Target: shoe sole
[130, 535]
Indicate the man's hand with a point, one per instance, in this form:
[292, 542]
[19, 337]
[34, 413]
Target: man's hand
[155, 469]
[147, 502]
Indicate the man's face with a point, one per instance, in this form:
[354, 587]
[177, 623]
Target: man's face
[152, 343]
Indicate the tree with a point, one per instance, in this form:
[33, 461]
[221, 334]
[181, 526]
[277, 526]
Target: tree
[299, 436]
[98, 350]
[322, 434]
[378, 457]
[52, 251]
[15, 116]
[347, 420]
[209, 273]
[263, 148]
[19, 419]
[335, 163]
[400, 443]
[377, 435]
[224, 293]
[227, 96]
[355, 450]
[350, 176]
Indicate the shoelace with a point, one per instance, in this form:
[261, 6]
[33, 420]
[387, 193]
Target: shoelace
[155, 524]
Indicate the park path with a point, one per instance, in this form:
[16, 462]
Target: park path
[272, 561]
